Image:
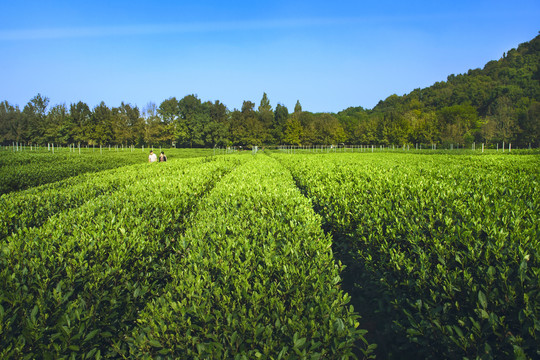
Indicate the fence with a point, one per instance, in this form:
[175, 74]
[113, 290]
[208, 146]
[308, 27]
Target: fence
[404, 147]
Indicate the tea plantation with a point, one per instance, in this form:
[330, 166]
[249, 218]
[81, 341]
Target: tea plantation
[270, 256]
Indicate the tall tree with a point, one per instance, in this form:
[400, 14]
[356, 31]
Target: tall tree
[218, 112]
[34, 113]
[216, 131]
[58, 125]
[281, 114]
[255, 133]
[198, 126]
[293, 131]
[135, 123]
[187, 125]
[169, 111]
[82, 128]
[237, 128]
[266, 118]
[125, 119]
[505, 119]
[264, 106]
[10, 123]
[154, 127]
[297, 107]
[102, 121]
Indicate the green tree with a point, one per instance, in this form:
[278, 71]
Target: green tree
[265, 116]
[458, 123]
[34, 114]
[254, 130]
[293, 131]
[58, 125]
[10, 123]
[216, 131]
[82, 129]
[297, 107]
[281, 114]
[325, 129]
[365, 132]
[423, 127]
[190, 123]
[102, 121]
[504, 118]
[134, 122]
[218, 112]
[169, 112]
[237, 128]
[125, 122]
[529, 122]
[353, 122]
[216, 134]
[154, 128]
[398, 128]
[198, 124]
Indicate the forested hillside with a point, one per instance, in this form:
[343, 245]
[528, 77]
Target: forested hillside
[500, 102]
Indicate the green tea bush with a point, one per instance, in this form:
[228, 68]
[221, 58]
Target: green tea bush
[25, 169]
[252, 277]
[218, 257]
[73, 287]
[445, 248]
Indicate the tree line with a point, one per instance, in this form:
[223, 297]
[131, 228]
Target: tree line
[500, 102]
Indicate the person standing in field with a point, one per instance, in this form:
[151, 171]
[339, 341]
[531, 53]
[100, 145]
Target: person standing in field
[162, 157]
[152, 157]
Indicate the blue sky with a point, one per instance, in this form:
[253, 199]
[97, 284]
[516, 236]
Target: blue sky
[329, 55]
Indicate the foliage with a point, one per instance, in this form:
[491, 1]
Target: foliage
[75, 284]
[216, 257]
[442, 251]
[257, 281]
[23, 169]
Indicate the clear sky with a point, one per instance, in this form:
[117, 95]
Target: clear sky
[330, 55]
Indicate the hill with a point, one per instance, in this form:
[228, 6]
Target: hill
[500, 102]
